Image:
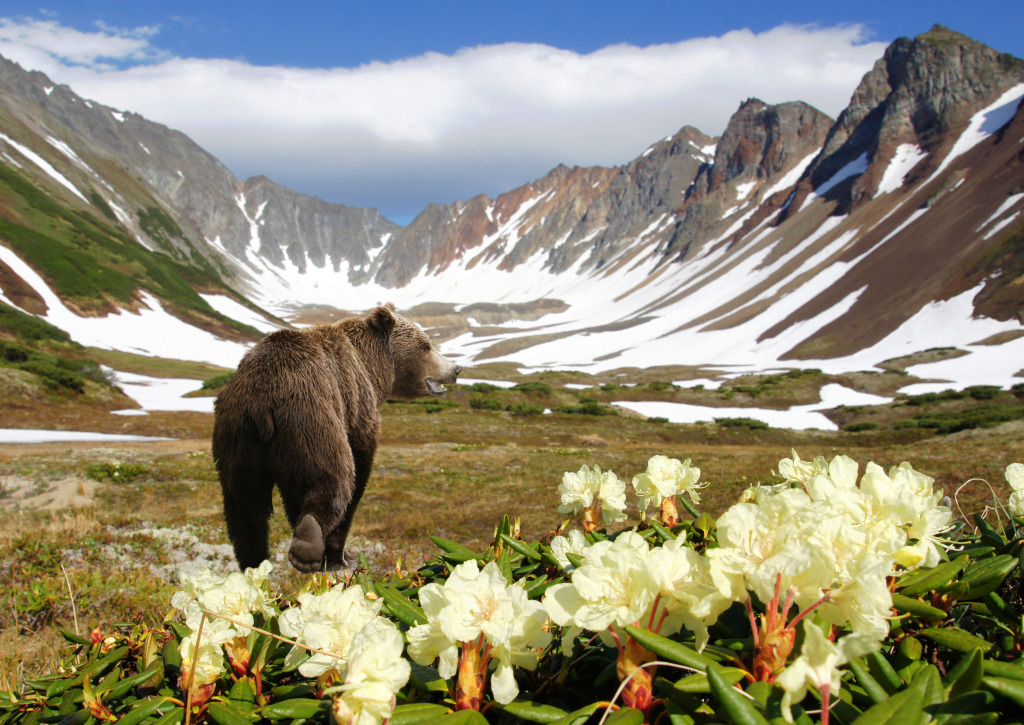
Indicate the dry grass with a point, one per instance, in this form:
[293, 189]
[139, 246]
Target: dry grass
[450, 474]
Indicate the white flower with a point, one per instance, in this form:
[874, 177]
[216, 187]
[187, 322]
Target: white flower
[376, 672]
[327, 622]
[573, 543]
[665, 477]
[613, 587]
[688, 591]
[1015, 477]
[208, 658]
[475, 604]
[818, 665]
[582, 490]
[237, 595]
[796, 471]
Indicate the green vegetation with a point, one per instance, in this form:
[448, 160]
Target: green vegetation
[218, 381]
[21, 326]
[92, 263]
[57, 373]
[748, 423]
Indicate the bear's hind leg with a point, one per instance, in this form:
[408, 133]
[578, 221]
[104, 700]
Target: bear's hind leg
[338, 556]
[247, 510]
[319, 508]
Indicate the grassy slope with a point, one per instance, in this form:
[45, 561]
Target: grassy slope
[480, 463]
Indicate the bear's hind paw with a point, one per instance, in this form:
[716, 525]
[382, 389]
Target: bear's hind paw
[306, 552]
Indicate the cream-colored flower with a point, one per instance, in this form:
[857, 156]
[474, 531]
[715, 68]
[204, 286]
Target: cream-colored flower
[793, 470]
[585, 488]
[818, 665]
[572, 543]
[475, 603]
[326, 622]
[613, 587]
[208, 658]
[238, 595]
[376, 672]
[666, 477]
[1015, 477]
[688, 591]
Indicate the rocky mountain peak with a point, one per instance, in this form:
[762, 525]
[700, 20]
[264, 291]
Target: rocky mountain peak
[921, 92]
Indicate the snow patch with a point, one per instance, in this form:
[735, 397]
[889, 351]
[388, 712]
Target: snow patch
[44, 165]
[743, 190]
[907, 156]
[855, 168]
[983, 124]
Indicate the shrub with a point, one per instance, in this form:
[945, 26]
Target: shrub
[115, 471]
[481, 388]
[479, 402]
[660, 386]
[749, 423]
[858, 427]
[984, 392]
[534, 388]
[524, 409]
[588, 406]
[218, 381]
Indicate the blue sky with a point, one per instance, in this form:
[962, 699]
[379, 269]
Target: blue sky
[400, 104]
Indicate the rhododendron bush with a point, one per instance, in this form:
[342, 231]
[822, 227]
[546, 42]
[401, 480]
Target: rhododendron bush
[834, 593]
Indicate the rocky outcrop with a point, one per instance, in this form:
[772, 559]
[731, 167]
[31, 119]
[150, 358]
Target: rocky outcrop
[921, 92]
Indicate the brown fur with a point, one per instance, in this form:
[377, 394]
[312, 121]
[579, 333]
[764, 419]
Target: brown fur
[302, 412]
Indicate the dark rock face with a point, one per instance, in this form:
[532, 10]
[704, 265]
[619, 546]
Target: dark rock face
[922, 92]
[761, 144]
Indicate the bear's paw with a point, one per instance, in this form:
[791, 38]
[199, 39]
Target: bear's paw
[306, 552]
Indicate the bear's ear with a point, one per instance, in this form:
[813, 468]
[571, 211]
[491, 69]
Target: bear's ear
[382, 319]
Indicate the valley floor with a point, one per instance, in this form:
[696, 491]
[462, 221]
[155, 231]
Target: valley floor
[93, 533]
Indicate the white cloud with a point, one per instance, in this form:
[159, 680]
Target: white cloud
[436, 127]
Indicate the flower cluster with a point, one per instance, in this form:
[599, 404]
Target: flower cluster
[595, 494]
[477, 610]
[217, 610]
[820, 552]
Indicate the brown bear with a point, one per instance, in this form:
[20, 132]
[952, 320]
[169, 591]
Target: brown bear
[301, 412]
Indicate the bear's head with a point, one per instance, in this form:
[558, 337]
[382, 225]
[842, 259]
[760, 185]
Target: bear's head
[419, 369]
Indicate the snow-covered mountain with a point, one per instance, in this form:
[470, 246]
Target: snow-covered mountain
[792, 240]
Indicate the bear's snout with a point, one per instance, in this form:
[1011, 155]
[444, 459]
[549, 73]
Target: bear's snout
[447, 373]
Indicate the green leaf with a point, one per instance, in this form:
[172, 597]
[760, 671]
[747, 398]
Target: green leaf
[454, 549]
[462, 717]
[242, 695]
[670, 650]
[427, 679]
[1012, 690]
[699, 682]
[663, 532]
[141, 710]
[741, 710]
[931, 682]
[520, 548]
[904, 708]
[532, 711]
[986, 576]
[504, 562]
[538, 589]
[577, 717]
[295, 709]
[870, 685]
[988, 534]
[123, 687]
[909, 605]
[503, 529]
[626, 716]
[172, 717]
[401, 607]
[1002, 610]
[575, 559]
[414, 713]
[965, 675]
[956, 639]
[75, 638]
[224, 714]
[883, 672]
[1013, 670]
[944, 573]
